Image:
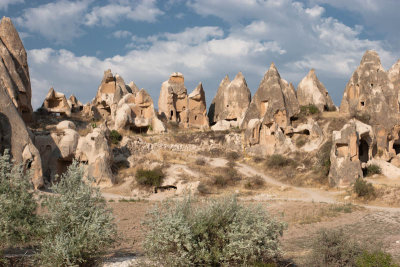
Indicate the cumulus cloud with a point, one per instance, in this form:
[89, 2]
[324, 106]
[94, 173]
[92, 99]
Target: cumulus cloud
[108, 15]
[122, 34]
[5, 3]
[58, 21]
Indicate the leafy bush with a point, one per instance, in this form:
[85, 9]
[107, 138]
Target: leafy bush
[334, 248]
[309, 110]
[278, 161]
[78, 227]
[254, 182]
[152, 177]
[363, 117]
[373, 169]
[115, 137]
[232, 156]
[364, 189]
[18, 220]
[215, 233]
[200, 161]
[375, 259]
[300, 142]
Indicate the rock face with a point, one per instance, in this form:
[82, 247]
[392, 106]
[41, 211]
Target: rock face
[136, 112]
[231, 101]
[352, 147]
[197, 111]
[75, 104]
[15, 137]
[110, 92]
[14, 71]
[311, 91]
[268, 118]
[56, 102]
[173, 101]
[371, 93]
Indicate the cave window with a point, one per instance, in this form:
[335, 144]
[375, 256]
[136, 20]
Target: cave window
[362, 103]
[372, 84]
[141, 112]
[195, 118]
[227, 106]
[172, 114]
[183, 108]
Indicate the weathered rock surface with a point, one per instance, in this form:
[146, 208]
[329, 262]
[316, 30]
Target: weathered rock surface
[231, 101]
[311, 91]
[370, 92]
[352, 147]
[74, 104]
[14, 71]
[16, 138]
[173, 100]
[56, 102]
[197, 111]
[136, 112]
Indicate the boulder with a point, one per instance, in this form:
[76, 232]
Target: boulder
[371, 94]
[352, 147]
[197, 108]
[231, 101]
[16, 138]
[56, 102]
[311, 91]
[63, 125]
[173, 100]
[14, 71]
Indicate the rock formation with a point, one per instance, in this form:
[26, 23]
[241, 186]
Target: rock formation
[14, 71]
[111, 90]
[311, 91]
[352, 147]
[16, 138]
[74, 104]
[231, 101]
[173, 101]
[371, 94]
[56, 102]
[136, 112]
[197, 108]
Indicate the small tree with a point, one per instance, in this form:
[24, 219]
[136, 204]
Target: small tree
[18, 220]
[78, 227]
[219, 232]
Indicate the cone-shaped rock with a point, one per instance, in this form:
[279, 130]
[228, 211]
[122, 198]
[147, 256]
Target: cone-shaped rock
[56, 102]
[231, 101]
[197, 116]
[311, 91]
[269, 102]
[14, 69]
[371, 93]
[394, 74]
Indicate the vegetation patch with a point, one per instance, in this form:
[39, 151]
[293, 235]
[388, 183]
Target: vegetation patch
[300, 142]
[153, 177]
[309, 110]
[254, 182]
[373, 169]
[216, 233]
[363, 189]
[115, 137]
[278, 161]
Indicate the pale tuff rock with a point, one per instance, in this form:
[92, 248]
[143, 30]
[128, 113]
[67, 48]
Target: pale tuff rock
[173, 100]
[134, 89]
[371, 93]
[93, 149]
[74, 104]
[56, 102]
[197, 111]
[14, 71]
[231, 101]
[136, 112]
[15, 137]
[289, 94]
[311, 91]
[63, 125]
[352, 147]
[394, 74]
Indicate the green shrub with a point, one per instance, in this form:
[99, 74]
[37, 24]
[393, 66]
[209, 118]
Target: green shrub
[18, 220]
[375, 259]
[364, 189]
[300, 142]
[373, 169]
[334, 248]
[232, 156]
[278, 161]
[309, 110]
[254, 182]
[215, 233]
[363, 117]
[152, 177]
[115, 137]
[200, 161]
[78, 227]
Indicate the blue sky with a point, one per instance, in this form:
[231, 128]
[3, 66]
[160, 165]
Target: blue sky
[71, 42]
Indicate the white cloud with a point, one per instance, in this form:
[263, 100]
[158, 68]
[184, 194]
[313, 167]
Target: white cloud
[122, 34]
[108, 15]
[58, 21]
[5, 3]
